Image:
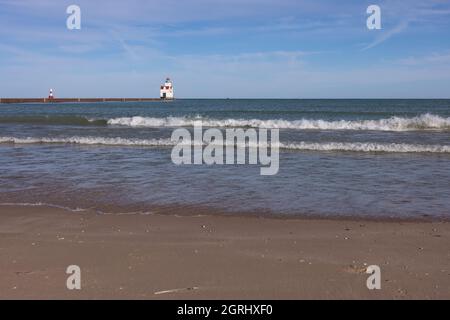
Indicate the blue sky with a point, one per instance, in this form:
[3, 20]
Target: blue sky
[226, 48]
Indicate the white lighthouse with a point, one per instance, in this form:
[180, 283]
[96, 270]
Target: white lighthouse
[166, 91]
[50, 95]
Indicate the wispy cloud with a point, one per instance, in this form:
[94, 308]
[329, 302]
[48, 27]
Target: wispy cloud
[406, 14]
[386, 35]
[433, 58]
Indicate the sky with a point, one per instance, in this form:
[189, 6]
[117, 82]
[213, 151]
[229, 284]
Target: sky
[226, 49]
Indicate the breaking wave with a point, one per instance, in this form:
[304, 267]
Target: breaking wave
[422, 122]
[367, 147]
[305, 146]
[89, 141]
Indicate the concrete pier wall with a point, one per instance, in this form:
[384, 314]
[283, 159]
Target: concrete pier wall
[68, 100]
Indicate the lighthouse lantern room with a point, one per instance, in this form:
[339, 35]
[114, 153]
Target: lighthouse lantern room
[166, 91]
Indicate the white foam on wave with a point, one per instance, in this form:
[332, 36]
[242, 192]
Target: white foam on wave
[422, 122]
[305, 146]
[88, 141]
[367, 147]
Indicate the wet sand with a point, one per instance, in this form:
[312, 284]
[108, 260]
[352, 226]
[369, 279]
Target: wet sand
[216, 257]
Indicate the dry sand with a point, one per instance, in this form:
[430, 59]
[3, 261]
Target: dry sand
[216, 257]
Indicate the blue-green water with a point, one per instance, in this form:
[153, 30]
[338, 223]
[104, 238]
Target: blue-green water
[366, 158]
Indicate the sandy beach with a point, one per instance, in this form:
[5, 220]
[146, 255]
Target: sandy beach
[217, 257]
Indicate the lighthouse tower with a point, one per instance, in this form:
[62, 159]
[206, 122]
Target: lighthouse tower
[50, 95]
[166, 92]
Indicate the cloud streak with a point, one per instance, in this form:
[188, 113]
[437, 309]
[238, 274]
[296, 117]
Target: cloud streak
[386, 35]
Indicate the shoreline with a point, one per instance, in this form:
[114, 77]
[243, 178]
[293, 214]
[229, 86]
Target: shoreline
[203, 211]
[217, 257]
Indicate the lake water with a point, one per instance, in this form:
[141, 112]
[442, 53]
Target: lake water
[364, 158]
